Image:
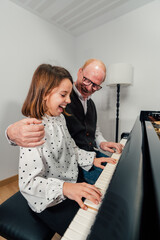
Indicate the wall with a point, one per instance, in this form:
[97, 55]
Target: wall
[26, 41]
[133, 38]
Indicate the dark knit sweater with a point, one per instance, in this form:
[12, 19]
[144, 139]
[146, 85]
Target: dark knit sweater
[82, 126]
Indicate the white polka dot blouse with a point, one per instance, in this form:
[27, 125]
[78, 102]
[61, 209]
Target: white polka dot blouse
[44, 169]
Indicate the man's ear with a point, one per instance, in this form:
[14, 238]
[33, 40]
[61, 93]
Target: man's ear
[79, 72]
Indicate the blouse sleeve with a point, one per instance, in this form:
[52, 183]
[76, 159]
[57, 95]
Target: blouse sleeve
[85, 158]
[39, 191]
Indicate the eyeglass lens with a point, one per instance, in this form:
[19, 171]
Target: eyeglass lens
[88, 82]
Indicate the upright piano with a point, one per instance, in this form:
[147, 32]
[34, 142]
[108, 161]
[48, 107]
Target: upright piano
[130, 209]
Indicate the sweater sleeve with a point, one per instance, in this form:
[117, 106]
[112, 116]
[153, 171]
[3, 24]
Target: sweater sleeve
[99, 137]
[8, 139]
[40, 192]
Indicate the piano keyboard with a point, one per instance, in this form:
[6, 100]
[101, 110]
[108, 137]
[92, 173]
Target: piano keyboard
[80, 226]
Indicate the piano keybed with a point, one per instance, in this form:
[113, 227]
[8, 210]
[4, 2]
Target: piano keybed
[81, 225]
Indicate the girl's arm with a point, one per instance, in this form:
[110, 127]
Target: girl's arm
[85, 158]
[39, 191]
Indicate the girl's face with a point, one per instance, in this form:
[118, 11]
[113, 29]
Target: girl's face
[58, 98]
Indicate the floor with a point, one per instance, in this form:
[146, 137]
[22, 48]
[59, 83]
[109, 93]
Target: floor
[6, 191]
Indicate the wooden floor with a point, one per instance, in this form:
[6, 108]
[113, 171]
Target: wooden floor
[7, 189]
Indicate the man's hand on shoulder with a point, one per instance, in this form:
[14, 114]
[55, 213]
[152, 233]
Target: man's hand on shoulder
[28, 132]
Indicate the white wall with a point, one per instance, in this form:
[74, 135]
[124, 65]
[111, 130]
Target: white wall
[26, 41]
[133, 38]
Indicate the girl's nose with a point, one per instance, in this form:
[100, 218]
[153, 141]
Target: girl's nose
[68, 100]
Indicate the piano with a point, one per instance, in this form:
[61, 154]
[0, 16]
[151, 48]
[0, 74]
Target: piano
[130, 209]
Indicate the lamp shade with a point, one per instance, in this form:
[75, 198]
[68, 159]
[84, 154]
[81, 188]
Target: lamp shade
[119, 73]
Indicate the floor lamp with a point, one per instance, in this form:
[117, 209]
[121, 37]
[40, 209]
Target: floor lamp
[119, 74]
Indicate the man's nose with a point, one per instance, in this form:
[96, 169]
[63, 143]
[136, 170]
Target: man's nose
[89, 88]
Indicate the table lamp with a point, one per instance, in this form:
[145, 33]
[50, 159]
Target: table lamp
[119, 74]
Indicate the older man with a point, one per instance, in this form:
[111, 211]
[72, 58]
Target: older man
[81, 121]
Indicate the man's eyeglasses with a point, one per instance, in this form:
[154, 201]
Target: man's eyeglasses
[88, 82]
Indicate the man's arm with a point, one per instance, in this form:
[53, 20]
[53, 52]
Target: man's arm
[28, 132]
[99, 137]
[105, 145]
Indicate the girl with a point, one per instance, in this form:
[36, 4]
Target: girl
[48, 174]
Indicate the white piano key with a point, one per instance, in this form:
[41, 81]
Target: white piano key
[103, 192]
[116, 156]
[91, 210]
[82, 222]
[80, 219]
[92, 205]
[110, 166]
[64, 238]
[109, 169]
[79, 228]
[106, 174]
[71, 234]
[86, 214]
[101, 186]
[123, 141]
[103, 180]
[105, 177]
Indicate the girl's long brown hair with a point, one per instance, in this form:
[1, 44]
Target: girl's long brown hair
[45, 78]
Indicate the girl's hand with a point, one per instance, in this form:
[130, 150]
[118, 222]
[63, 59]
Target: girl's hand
[98, 161]
[77, 191]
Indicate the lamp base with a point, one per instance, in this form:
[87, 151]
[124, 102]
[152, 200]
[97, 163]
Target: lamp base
[117, 112]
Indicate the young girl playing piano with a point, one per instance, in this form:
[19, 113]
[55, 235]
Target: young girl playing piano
[48, 173]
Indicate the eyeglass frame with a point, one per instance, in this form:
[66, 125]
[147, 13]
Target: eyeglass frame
[93, 84]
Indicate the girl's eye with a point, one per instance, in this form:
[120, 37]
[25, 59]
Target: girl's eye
[63, 95]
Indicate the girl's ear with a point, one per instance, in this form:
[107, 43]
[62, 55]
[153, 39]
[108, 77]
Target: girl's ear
[46, 97]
